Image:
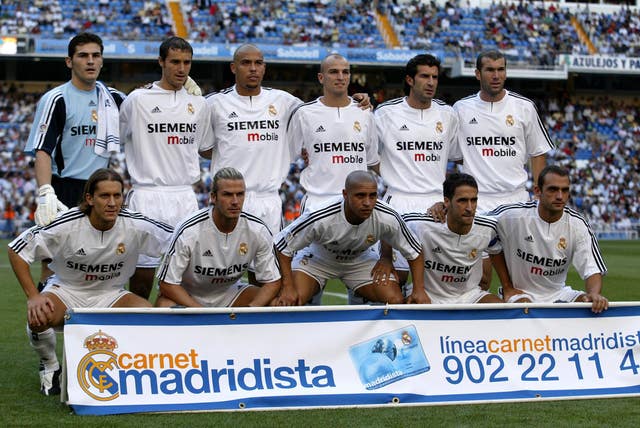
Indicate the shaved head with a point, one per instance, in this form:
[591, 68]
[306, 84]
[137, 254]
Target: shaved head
[357, 178]
[246, 48]
[329, 59]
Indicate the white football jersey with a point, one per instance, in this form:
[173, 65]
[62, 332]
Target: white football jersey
[163, 131]
[416, 145]
[250, 135]
[452, 262]
[538, 254]
[207, 262]
[332, 238]
[497, 139]
[85, 258]
[338, 140]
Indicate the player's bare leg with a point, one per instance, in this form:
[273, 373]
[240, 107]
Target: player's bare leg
[246, 297]
[131, 300]
[305, 285]
[487, 274]
[141, 282]
[490, 298]
[390, 293]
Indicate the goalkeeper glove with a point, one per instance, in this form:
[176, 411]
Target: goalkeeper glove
[48, 205]
[192, 87]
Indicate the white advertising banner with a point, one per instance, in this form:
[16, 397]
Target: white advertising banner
[120, 361]
[600, 64]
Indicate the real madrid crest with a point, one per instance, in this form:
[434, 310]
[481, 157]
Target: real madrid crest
[243, 249]
[370, 239]
[439, 127]
[562, 243]
[190, 108]
[94, 116]
[43, 127]
[356, 126]
[121, 249]
[510, 121]
[473, 253]
[272, 110]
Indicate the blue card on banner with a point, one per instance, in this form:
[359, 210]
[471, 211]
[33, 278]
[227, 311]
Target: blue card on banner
[389, 357]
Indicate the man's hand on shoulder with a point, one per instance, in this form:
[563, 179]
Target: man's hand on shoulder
[48, 205]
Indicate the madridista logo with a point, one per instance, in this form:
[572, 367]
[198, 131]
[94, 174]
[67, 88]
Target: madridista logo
[96, 368]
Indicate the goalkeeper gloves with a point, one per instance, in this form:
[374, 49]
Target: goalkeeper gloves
[192, 87]
[48, 205]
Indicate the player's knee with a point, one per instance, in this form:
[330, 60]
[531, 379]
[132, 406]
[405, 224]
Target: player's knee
[582, 298]
[395, 299]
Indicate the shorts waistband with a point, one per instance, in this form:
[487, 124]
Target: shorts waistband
[393, 192]
[173, 189]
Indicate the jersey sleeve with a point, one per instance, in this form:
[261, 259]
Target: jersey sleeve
[296, 236]
[48, 123]
[156, 236]
[455, 154]
[126, 110]
[266, 267]
[175, 261]
[295, 136]
[35, 244]
[536, 137]
[373, 155]
[400, 237]
[587, 258]
[205, 129]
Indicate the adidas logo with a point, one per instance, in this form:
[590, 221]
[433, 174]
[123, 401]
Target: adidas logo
[404, 128]
[320, 129]
[92, 103]
[207, 253]
[233, 115]
[81, 252]
[473, 121]
[529, 238]
[437, 250]
[156, 110]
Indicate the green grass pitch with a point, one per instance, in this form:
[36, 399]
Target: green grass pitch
[22, 405]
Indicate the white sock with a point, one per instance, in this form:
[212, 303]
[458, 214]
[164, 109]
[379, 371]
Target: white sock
[44, 344]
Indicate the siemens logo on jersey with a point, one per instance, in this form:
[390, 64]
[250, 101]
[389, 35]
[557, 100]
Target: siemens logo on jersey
[253, 125]
[156, 128]
[491, 141]
[338, 147]
[540, 260]
[225, 271]
[419, 145]
[94, 268]
[83, 130]
[443, 267]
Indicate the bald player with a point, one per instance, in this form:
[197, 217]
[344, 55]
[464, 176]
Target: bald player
[339, 240]
[336, 134]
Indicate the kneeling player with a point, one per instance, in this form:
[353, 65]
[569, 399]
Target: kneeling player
[211, 250]
[94, 249]
[541, 239]
[340, 238]
[453, 249]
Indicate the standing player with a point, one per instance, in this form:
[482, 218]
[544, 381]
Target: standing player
[249, 124]
[163, 128]
[94, 249]
[417, 138]
[211, 250]
[64, 135]
[541, 239]
[336, 134]
[499, 131]
[337, 241]
[453, 249]
[249, 127]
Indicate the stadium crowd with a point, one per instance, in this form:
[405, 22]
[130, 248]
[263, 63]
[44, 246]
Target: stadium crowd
[598, 139]
[533, 33]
